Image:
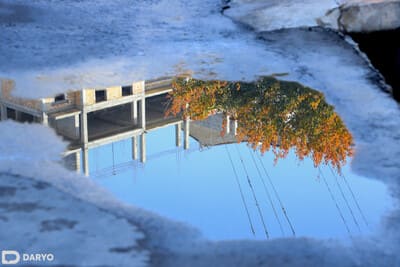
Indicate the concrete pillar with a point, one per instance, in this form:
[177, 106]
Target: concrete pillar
[17, 115]
[143, 113]
[134, 112]
[134, 148]
[143, 148]
[78, 161]
[85, 154]
[76, 123]
[228, 124]
[84, 136]
[178, 135]
[84, 128]
[186, 128]
[83, 121]
[235, 125]
[3, 110]
[44, 118]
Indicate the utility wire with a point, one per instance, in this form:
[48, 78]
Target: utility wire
[334, 200]
[267, 192]
[253, 193]
[345, 200]
[353, 196]
[241, 191]
[277, 196]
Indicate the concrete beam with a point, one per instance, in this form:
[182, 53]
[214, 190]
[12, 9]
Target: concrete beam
[114, 138]
[158, 91]
[159, 125]
[27, 110]
[111, 103]
[64, 114]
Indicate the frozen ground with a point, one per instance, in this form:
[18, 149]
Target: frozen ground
[75, 44]
[342, 15]
[49, 46]
[56, 222]
[275, 15]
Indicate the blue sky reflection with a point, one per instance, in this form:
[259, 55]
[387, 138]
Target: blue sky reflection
[198, 187]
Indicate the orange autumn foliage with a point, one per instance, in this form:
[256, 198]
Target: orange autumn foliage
[195, 99]
[272, 115]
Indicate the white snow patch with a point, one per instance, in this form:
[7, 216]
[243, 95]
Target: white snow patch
[78, 44]
[342, 15]
[37, 218]
[275, 15]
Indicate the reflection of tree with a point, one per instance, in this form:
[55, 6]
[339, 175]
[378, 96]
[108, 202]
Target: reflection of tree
[196, 99]
[271, 114]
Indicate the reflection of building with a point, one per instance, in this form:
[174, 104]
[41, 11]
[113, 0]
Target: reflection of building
[208, 132]
[93, 117]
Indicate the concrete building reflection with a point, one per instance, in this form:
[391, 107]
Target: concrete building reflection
[90, 118]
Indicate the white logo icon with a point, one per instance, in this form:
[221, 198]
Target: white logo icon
[9, 257]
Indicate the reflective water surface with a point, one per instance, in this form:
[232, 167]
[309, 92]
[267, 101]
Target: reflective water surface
[198, 186]
[236, 160]
[260, 160]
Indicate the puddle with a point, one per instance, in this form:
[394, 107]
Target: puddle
[198, 187]
[258, 160]
[297, 185]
